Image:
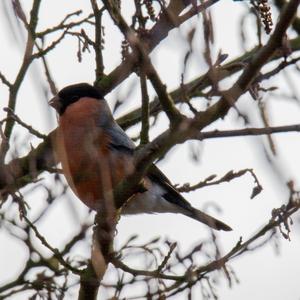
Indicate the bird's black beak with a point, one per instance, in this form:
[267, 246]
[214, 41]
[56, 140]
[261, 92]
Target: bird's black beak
[55, 103]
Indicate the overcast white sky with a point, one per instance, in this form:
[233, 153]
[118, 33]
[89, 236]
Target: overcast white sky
[263, 274]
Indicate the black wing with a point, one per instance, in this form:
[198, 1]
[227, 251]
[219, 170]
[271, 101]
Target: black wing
[171, 194]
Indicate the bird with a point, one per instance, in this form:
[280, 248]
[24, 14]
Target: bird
[96, 154]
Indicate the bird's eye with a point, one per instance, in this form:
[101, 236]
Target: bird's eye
[74, 98]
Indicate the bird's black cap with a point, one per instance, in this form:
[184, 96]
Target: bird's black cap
[73, 93]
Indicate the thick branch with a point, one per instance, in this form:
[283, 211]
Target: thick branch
[21, 171]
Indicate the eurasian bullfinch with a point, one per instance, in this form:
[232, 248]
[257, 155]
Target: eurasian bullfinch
[96, 154]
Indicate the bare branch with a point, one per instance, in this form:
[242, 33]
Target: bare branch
[55, 251]
[43, 52]
[4, 80]
[209, 181]
[63, 26]
[27, 59]
[144, 136]
[246, 132]
[12, 115]
[140, 50]
[98, 44]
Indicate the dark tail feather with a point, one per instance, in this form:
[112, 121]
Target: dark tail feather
[208, 220]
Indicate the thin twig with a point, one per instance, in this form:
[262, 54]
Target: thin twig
[155, 274]
[231, 175]
[27, 60]
[55, 251]
[195, 10]
[62, 25]
[144, 136]
[5, 80]
[12, 115]
[141, 51]
[43, 52]
[247, 132]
